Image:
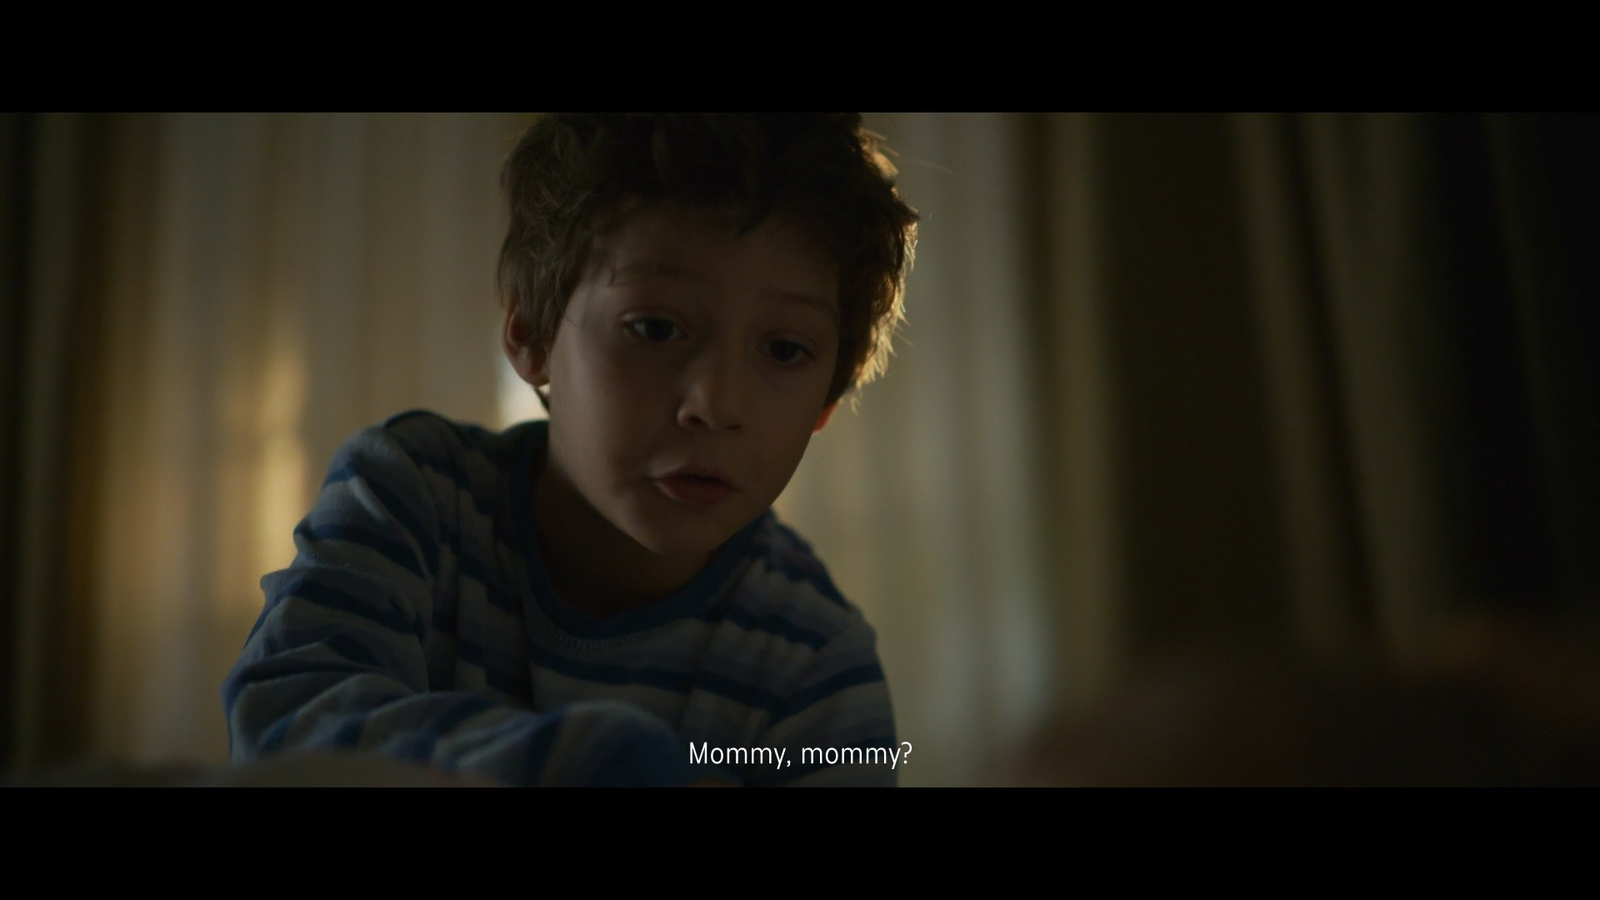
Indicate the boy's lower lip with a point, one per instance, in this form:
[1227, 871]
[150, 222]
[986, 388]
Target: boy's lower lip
[694, 490]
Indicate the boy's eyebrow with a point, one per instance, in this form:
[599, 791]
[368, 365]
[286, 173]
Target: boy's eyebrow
[672, 270]
[808, 300]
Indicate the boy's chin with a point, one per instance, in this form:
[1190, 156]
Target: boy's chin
[696, 533]
[681, 543]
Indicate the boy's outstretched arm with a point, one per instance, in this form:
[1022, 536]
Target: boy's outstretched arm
[339, 657]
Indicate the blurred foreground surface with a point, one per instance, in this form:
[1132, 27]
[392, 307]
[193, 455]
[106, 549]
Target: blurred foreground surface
[293, 770]
[1496, 703]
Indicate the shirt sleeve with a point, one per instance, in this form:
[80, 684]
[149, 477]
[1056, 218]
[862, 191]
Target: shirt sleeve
[337, 659]
[837, 726]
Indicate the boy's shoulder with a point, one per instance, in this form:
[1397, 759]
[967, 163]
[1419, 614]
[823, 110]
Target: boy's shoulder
[469, 455]
[428, 436]
[418, 452]
[788, 589]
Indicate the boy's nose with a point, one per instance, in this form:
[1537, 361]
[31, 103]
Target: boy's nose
[714, 394]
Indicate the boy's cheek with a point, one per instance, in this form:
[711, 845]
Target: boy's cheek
[637, 371]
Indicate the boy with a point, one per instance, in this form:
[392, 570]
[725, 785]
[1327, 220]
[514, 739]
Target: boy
[599, 598]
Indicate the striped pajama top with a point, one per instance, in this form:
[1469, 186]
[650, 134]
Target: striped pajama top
[417, 622]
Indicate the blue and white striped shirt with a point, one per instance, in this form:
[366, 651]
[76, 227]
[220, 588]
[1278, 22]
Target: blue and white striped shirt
[416, 621]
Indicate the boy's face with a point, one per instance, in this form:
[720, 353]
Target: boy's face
[689, 373]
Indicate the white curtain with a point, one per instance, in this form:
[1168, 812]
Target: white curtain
[277, 283]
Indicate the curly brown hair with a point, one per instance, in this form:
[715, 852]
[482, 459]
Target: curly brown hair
[572, 175]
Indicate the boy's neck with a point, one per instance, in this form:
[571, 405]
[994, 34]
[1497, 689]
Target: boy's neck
[593, 567]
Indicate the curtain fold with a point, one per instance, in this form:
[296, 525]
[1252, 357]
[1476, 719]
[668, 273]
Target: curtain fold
[1546, 188]
[1365, 183]
[1327, 581]
[55, 242]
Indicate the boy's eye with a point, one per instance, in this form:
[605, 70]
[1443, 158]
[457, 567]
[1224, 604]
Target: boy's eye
[787, 351]
[656, 331]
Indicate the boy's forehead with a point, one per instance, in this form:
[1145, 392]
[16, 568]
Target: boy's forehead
[691, 243]
[678, 228]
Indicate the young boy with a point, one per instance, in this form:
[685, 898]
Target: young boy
[606, 598]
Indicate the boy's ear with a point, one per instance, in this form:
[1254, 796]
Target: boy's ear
[827, 412]
[527, 357]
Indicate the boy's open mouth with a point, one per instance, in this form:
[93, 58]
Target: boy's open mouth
[695, 485]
